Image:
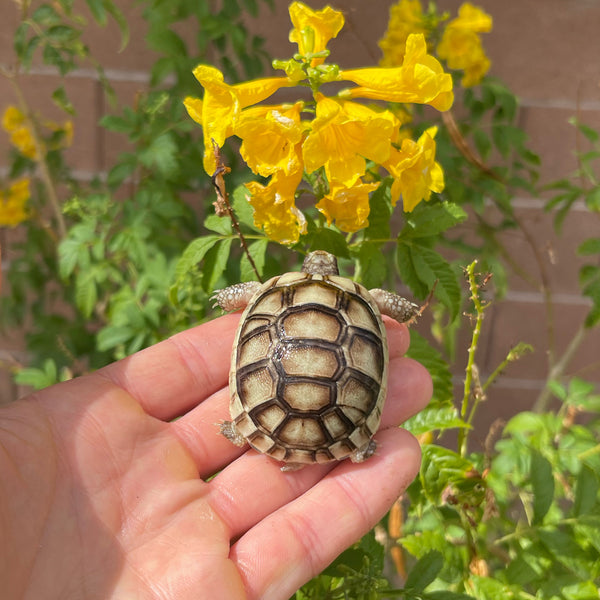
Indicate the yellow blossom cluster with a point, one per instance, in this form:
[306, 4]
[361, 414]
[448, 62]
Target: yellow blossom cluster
[460, 45]
[338, 139]
[16, 124]
[13, 203]
[406, 17]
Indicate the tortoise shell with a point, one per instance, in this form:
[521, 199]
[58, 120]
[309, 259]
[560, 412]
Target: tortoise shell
[309, 369]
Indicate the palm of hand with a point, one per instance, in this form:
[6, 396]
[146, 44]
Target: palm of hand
[110, 494]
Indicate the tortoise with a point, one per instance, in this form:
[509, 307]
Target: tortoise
[308, 372]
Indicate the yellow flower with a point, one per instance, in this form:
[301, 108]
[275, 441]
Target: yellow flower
[347, 206]
[420, 79]
[313, 29]
[271, 137]
[274, 207]
[12, 204]
[342, 135]
[15, 123]
[415, 172]
[12, 118]
[461, 45]
[23, 141]
[406, 17]
[222, 103]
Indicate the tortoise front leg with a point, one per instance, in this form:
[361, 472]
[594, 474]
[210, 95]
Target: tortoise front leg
[394, 306]
[235, 296]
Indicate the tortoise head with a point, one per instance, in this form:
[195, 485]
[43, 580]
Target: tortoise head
[320, 262]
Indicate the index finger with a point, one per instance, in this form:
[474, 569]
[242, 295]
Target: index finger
[173, 376]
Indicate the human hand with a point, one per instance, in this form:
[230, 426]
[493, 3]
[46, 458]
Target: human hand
[105, 495]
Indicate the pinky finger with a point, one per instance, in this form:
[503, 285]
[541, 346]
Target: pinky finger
[293, 544]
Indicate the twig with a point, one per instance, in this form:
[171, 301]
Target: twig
[223, 207]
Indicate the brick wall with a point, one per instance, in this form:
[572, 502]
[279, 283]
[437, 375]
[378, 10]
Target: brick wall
[547, 52]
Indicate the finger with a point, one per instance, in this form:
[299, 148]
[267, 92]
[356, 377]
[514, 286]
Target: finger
[409, 390]
[172, 376]
[298, 541]
[398, 337]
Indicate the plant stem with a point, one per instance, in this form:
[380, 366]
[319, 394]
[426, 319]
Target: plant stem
[470, 368]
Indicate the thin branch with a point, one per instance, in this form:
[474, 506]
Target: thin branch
[223, 207]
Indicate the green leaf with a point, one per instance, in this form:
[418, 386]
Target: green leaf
[86, 292]
[121, 22]
[434, 417]
[586, 491]
[591, 246]
[242, 208]
[431, 219]
[215, 263]
[257, 250]
[38, 378]
[59, 97]
[112, 336]
[371, 266]
[542, 482]
[98, 12]
[422, 351]
[323, 238]
[380, 211]
[421, 268]
[46, 16]
[221, 225]
[193, 254]
[62, 34]
[563, 547]
[442, 468]
[424, 572]
[161, 154]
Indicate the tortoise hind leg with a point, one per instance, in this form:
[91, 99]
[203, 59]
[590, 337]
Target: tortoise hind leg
[235, 296]
[229, 430]
[361, 454]
[394, 306]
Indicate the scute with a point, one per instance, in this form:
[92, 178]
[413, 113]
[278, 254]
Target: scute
[309, 369]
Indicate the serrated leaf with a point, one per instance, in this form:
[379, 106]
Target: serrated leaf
[242, 208]
[434, 418]
[215, 263]
[408, 272]
[257, 251]
[330, 240]
[161, 154]
[424, 572]
[380, 210]
[421, 268]
[422, 351]
[193, 254]
[542, 482]
[371, 269]
[221, 225]
[442, 468]
[430, 220]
